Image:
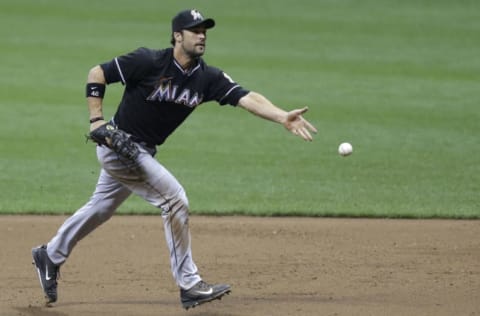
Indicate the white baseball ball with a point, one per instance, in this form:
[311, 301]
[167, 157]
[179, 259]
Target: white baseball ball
[345, 149]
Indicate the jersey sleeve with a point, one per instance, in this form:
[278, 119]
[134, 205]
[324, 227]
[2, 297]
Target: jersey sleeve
[129, 68]
[223, 89]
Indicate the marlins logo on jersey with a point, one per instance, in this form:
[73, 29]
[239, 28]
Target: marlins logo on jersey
[165, 91]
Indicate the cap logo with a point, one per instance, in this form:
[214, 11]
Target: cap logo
[196, 15]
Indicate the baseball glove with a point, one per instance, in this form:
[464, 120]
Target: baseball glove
[115, 139]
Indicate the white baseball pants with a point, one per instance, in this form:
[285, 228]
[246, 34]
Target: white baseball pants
[147, 178]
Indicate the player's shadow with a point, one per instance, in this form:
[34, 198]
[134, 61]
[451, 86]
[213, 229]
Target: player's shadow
[51, 311]
[39, 311]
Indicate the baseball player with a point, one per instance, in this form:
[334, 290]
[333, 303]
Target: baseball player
[162, 88]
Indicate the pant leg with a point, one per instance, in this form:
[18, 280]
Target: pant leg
[108, 195]
[154, 183]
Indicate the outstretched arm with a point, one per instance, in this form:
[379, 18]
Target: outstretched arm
[293, 121]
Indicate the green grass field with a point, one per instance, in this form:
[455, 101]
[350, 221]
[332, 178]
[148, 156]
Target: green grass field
[397, 79]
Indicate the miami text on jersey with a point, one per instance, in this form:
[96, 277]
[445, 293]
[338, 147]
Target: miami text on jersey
[167, 92]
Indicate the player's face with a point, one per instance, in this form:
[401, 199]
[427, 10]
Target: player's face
[194, 41]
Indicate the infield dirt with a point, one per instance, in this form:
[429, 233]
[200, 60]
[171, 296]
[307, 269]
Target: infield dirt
[276, 266]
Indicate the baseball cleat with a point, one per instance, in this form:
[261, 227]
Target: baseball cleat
[47, 271]
[202, 293]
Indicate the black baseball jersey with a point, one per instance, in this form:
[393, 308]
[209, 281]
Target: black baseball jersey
[159, 95]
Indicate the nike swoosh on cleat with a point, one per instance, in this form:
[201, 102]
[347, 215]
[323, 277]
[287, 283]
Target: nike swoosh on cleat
[47, 277]
[210, 291]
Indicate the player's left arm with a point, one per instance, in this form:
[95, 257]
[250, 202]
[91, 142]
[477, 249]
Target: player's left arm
[293, 120]
[95, 103]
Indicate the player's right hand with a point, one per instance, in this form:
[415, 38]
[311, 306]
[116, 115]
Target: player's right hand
[299, 126]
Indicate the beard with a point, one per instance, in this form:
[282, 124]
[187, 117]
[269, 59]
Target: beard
[195, 52]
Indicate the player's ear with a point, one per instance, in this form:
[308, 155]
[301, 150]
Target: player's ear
[178, 36]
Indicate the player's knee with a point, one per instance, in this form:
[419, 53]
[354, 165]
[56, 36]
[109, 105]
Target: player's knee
[177, 203]
[104, 213]
[181, 201]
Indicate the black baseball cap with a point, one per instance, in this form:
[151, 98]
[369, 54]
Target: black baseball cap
[188, 19]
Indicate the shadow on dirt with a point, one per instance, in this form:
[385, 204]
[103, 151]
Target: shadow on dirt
[38, 311]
